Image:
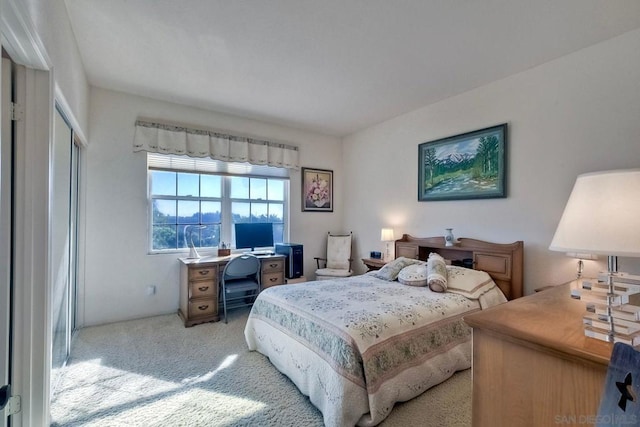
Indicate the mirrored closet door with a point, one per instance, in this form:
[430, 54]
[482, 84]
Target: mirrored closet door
[64, 216]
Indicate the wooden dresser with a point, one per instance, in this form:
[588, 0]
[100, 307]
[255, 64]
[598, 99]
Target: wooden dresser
[199, 279]
[532, 364]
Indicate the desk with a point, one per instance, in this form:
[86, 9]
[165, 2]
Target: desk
[532, 364]
[199, 280]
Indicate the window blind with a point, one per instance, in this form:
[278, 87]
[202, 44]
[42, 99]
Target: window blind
[206, 165]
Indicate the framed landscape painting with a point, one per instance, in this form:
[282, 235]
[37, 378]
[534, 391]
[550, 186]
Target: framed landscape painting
[317, 190]
[467, 166]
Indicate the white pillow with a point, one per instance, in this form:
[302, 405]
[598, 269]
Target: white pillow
[391, 269]
[413, 275]
[436, 273]
[468, 282]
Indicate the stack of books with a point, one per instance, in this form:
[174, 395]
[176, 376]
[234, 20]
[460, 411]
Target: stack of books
[619, 312]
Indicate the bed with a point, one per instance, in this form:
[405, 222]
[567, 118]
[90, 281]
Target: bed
[357, 345]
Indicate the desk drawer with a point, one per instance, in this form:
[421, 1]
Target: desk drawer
[272, 265]
[203, 307]
[203, 273]
[201, 289]
[272, 279]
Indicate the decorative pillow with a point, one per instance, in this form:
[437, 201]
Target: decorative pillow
[391, 269]
[436, 273]
[468, 282]
[414, 275]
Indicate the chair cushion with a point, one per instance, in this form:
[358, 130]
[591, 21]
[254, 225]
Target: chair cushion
[338, 252]
[333, 272]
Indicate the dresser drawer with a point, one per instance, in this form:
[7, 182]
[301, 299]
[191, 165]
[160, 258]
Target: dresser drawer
[272, 265]
[201, 289]
[272, 279]
[203, 273]
[203, 307]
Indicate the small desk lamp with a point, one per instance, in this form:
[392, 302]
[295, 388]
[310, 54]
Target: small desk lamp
[602, 217]
[189, 229]
[386, 235]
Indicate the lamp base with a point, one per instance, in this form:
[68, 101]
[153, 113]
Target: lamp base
[387, 252]
[613, 307]
[193, 253]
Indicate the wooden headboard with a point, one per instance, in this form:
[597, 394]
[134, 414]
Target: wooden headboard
[503, 262]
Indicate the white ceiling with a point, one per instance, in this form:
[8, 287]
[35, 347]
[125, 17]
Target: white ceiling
[330, 66]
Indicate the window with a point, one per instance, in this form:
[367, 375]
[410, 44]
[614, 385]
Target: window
[202, 204]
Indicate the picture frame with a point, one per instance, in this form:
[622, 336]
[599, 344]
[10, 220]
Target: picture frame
[317, 190]
[471, 165]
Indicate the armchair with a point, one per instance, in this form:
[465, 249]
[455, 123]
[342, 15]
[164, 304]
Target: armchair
[337, 262]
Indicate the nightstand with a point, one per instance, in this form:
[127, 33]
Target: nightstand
[373, 263]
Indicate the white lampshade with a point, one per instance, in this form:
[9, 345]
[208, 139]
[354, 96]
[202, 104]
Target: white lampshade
[386, 235]
[602, 215]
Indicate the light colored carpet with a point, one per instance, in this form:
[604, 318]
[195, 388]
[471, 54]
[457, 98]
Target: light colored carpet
[156, 372]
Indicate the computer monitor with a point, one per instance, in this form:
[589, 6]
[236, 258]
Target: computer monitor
[254, 235]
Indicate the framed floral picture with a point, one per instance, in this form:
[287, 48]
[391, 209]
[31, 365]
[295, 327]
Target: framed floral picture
[317, 190]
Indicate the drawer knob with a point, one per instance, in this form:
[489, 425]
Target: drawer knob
[273, 265]
[273, 279]
[203, 288]
[203, 272]
[203, 307]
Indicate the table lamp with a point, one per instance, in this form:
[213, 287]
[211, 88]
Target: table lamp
[581, 258]
[188, 230]
[386, 235]
[602, 217]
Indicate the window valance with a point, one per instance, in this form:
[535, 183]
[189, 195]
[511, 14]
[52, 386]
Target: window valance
[169, 139]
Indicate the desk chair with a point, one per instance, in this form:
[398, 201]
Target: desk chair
[240, 282]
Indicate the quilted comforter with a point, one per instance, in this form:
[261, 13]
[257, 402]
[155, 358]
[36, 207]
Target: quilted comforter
[356, 346]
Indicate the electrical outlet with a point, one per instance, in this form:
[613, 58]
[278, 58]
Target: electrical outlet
[151, 290]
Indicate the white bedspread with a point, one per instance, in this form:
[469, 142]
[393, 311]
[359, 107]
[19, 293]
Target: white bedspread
[356, 346]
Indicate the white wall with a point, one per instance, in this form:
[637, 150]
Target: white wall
[577, 114]
[51, 22]
[117, 266]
